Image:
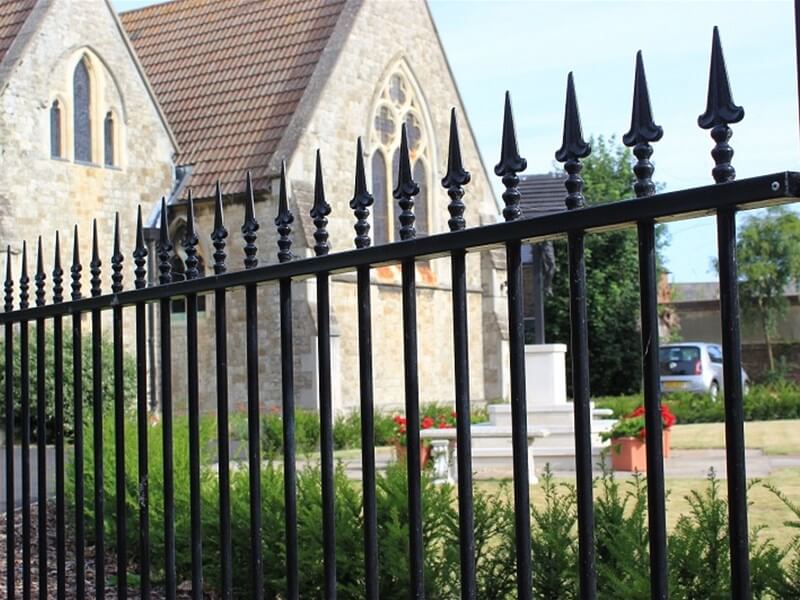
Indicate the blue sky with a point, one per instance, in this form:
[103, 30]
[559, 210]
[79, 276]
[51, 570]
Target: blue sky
[529, 47]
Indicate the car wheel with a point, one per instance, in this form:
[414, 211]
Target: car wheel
[713, 391]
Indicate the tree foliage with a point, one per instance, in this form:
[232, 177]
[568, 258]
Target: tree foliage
[612, 279]
[768, 251]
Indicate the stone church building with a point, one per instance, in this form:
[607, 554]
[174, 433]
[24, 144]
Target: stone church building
[101, 112]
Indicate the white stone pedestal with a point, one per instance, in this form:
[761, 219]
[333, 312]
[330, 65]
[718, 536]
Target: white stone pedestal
[545, 374]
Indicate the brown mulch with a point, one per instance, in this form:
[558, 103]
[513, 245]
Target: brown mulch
[110, 593]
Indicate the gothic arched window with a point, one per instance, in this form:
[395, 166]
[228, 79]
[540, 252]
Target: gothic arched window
[398, 105]
[380, 209]
[55, 130]
[108, 140]
[82, 122]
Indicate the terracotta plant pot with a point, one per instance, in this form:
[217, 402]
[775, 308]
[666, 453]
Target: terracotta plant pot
[424, 453]
[665, 443]
[628, 454]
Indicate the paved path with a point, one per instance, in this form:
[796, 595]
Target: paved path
[51, 469]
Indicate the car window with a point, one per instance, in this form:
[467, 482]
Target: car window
[715, 354]
[679, 354]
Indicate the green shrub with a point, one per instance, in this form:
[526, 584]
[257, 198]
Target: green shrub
[698, 551]
[107, 350]
[762, 403]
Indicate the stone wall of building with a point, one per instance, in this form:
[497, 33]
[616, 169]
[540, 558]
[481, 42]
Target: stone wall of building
[39, 194]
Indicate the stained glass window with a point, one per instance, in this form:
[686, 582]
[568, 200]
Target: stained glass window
[108, 137]
[82, 124]
[380, 209]
[55, 130]
[414, 133]
[397, 89]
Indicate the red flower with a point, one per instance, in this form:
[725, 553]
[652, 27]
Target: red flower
[427, 422]
[442, 425]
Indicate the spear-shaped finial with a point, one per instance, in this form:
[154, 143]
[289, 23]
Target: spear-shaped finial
[8, 286]
[39, 277]
[164, 247]
[720, 112]
[284, 220]
[23, 278]
[116, 260]
[250, 225]
[510, 164]
[76, 268]
[643, 131]
[320, 212]
[140, 254]
[573, 148]
[455, 178]
[95, 263]
[219, 234]
[361, 201]
[406, 189]
[190, 241]
[58, 273]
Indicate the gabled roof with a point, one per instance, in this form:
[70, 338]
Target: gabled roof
[13, 14]
[542, 194]
[229, 75]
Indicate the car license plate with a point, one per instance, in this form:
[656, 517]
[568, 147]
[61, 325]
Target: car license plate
[674, 385]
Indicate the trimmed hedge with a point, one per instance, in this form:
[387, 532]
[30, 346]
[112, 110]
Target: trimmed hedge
[762, 403]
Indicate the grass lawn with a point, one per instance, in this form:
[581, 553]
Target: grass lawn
[773, 437]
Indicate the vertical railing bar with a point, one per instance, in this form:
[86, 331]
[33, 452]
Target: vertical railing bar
[140, 253]
[218, 235]
[190, 242]
[643, 131]
[165, 306]
[220, 315]
[360, 204]
[720, 112]
[119, 420]
[8, 288]
[58, 382]
[371, 558]
[194, 447]
[404, 193]
[319, 213]
[58, 401]
[119, 454]
[77, 398]
[253, 442]
[510, 164]
[164, 251]
[289, 466]
[454, 181]
[25, 460]
[326, 434]
[143, 493]
[97, 437]
[41, 451]
[411, 377]
[572, 150]
[734, 411]
[466, 517]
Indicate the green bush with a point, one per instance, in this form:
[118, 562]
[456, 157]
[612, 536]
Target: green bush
[762, 403]
[107, 350]
[697, 547]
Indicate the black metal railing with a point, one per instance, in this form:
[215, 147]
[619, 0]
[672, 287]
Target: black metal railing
[723, 199]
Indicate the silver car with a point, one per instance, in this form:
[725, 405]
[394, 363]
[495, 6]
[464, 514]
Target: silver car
[693, 367]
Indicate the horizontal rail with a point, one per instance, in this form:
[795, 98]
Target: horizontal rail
[754, 192]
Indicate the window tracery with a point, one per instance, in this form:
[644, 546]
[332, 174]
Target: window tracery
[397, 104]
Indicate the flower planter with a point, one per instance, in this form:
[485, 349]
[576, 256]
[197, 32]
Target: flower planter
[424, 453]
[628, 454]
